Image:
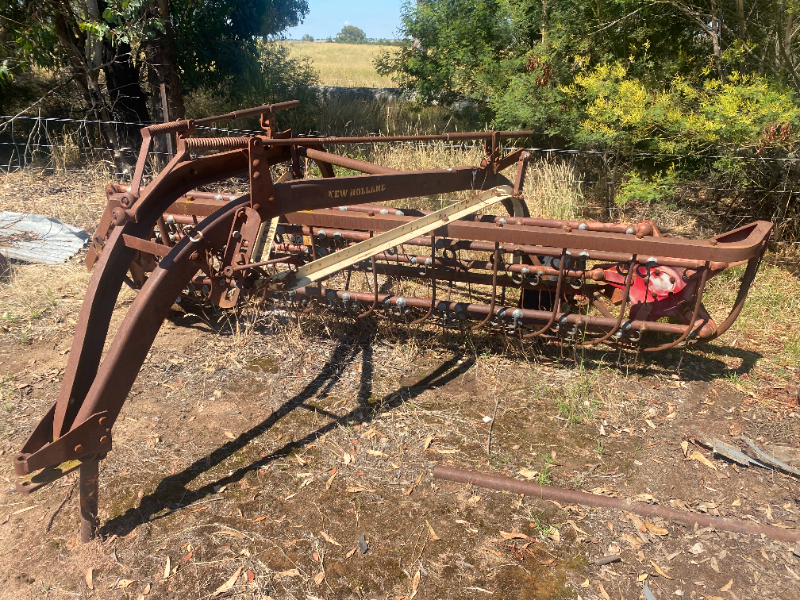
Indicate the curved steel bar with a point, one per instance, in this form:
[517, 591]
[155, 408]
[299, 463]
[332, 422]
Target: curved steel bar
[109, 274]
[143, 320]
[747, 280]
[496, 263]
[433, 282]
[691, 326]
[620, 316]
[556, 301]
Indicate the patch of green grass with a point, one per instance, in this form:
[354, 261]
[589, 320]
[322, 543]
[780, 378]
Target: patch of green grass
[578, 400]
[542, 527]
[545, 475]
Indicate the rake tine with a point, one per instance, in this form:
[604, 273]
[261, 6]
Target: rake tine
[690, 327]
[375, 287]
[556, 301]
[623, 304]
[433, 283]
[494, 288]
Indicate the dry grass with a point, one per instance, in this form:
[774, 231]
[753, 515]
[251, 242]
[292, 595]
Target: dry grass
[76, 198]
[341, 116]
[342, 65]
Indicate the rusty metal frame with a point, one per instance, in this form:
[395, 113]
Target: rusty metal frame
[185, 232]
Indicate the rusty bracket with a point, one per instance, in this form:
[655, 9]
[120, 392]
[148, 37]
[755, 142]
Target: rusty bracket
[91, 437]
[104, 227]
[31, 483]
[147, 246]
[262, 192]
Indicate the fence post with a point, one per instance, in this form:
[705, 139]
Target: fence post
[165, 112]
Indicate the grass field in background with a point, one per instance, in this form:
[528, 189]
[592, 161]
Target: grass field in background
[344, 65]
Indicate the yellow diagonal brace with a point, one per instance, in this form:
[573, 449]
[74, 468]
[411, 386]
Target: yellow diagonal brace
[336, 261]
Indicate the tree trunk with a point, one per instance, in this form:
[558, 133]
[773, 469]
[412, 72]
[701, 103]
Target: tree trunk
[127, 101]
[716, 29]
[87, 77]
[162, 63]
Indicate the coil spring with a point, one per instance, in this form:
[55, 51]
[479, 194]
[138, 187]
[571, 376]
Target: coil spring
[171, 127]
[218, 143]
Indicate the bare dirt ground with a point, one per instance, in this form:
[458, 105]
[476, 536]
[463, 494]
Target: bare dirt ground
[299, 459]
[272, 451]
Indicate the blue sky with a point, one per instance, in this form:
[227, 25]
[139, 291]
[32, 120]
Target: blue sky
[378, 18]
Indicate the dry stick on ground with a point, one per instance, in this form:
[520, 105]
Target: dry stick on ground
[59, 507]
[491, 425]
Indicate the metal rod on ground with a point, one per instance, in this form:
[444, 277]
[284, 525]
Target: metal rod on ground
[89, 479]
[576, 497]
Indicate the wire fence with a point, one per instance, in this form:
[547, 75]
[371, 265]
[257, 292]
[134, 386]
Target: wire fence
[68, 144]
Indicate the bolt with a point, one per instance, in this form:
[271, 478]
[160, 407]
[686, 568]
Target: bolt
[78, 448]
[104, 439]
[256, 162]
[236, 235]
[256, 207]
[256, 174]
[194, 256]
[219, 198]
[101, 420]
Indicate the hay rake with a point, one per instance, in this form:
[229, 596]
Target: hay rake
[481, 262]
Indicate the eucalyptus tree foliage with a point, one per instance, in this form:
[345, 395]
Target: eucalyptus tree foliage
[120, 52]
[668, 77]
[525, 61]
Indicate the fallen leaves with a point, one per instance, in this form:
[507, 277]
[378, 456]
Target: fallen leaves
[635, 543]
[328, 483]
[319, 577]
[120, 584]
[228, 584]
[413, 485]
[167, 568]
[660, 571]
[727, 586]
[697, 549]
[701, 459]
[414, 585]
[655, 529]
[89, 582]
[289, 573]
[329, 539]
[235, 534]
[528, 474]
[603, 593]
[434, 537]
[515, 535]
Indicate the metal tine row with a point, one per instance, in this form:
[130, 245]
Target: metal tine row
[555, 325]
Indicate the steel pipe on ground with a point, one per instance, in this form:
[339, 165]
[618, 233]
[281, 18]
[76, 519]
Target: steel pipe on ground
[548, 492]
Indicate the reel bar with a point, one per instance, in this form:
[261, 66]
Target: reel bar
[502, 314]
